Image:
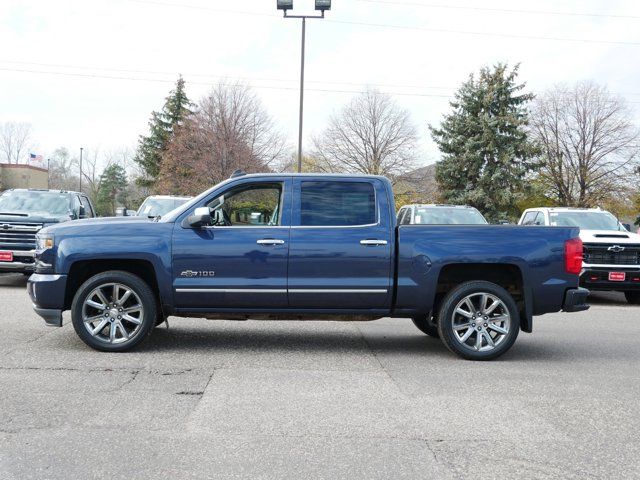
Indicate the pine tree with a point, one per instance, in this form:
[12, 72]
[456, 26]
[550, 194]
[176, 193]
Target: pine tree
[486, 153]
[112, 189]
[161, 128]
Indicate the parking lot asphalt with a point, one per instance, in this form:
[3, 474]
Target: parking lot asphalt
[223, 399]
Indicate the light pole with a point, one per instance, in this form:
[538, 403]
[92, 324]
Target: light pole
[80, 189]
[321, 6]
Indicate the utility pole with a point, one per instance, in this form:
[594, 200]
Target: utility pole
[285, 5]
[48, 174]
[80, 189]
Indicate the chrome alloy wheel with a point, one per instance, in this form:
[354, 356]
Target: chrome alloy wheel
[112, 313]
[481, 322]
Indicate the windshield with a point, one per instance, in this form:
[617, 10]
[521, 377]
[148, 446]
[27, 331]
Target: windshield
[448, 216]
[34, 202]
[585, 220]
[152, 207]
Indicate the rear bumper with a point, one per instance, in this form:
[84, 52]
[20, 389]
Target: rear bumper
[598, 279]
[575, 300]
[47, 293]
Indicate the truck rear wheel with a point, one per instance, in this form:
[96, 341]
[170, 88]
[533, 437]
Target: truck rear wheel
[632, 297]
[113, 311]
[427, 324]
[478, 320]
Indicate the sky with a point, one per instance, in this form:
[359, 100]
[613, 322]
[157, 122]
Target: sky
[89, 73]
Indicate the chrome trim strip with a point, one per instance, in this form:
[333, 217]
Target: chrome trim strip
[337, 290]
[336, 226]
[21, 253]
[231, 290]
[12, 265]
[278, 290]
[607, 265]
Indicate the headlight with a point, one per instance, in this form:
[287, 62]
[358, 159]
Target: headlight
[44, 241]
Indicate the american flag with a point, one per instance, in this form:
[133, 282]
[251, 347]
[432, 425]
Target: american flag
[36, 160]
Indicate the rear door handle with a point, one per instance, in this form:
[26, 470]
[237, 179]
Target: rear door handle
[373, 242]
[270, 241]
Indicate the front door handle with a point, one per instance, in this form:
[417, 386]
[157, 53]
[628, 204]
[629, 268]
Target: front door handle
[373, 242]
[270, 241]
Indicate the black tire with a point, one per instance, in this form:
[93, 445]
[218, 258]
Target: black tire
[448, 317]
[147, 315]
[632, 297]
[427, 324]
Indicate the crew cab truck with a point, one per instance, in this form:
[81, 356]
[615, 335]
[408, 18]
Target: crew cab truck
[611, 253]
[292, 246]
[23, 212]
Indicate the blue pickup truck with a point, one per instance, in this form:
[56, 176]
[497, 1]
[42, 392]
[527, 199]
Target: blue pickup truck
[284, 246]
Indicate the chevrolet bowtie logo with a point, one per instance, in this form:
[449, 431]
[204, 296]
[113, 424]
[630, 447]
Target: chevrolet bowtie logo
[189, 273]
[5, 226]
[616, 248]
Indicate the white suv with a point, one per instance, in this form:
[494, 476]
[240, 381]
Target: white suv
[611, 252]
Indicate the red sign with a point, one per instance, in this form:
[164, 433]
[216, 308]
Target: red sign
[617, 276]
[6, 256]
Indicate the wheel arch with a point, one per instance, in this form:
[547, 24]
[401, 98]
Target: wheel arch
[508, 275]
[82, 270]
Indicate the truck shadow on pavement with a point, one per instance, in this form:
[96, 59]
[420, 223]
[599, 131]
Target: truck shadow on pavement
[301, 341]
[295, 340]
[13, 280]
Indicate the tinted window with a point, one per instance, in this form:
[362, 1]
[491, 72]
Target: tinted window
[88, 211]
[586, 220]
[529, 218]
[249, 206]
[448, 216]
[34, 202]
[337, 204]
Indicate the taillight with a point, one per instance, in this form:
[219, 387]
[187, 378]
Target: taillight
[573, 256]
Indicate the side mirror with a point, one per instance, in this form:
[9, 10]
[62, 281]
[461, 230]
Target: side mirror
[201, 217]
[81, 212]
[627, 226]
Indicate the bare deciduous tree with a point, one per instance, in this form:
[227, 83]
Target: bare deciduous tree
[15, 141]
[588, 141]
[63, 170]
[229, 130]
[371, 135]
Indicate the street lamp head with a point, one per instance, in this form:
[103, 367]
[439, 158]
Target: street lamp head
[285, 5]
[323, 5]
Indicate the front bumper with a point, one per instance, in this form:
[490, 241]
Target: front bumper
[575, 300]
[23, 262]
[47, 293]
[597, 278]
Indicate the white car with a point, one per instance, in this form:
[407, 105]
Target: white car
[159, 205]
[611, 253]
[436, 214]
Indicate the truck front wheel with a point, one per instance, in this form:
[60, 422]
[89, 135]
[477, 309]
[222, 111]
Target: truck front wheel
[478, 320]
[113, 311]
[632, 297]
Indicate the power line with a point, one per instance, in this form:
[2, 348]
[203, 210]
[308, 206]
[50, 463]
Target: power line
[158, 80]
[487, 34]
[504, 10]
[206, 75]
[226, 77]
[405, 27]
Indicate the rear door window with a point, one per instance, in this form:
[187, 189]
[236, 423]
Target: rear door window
[339, 204]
